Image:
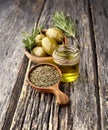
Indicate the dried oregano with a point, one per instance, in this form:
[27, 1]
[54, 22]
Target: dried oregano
[44, 76]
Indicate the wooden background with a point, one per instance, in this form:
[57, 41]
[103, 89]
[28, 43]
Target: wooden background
[21, 107]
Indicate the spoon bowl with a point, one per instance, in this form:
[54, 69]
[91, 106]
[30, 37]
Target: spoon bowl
[62, 98]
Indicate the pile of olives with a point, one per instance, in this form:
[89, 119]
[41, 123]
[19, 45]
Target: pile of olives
[47, 42]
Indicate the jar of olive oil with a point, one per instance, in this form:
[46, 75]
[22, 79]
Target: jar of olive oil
[67, 58]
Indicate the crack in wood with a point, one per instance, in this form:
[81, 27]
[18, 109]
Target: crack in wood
[95, 66]
[40, 12]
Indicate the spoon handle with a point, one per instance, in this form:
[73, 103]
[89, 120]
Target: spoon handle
[62, 98]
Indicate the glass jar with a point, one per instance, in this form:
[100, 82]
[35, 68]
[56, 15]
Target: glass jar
[67, 58]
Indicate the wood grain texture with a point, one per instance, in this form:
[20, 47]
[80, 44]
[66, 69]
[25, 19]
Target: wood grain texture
[37, 111]
[100, 25]
[15, 16]
[23, 108]
[15, 95]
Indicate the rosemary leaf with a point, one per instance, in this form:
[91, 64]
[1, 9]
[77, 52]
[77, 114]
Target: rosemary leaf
[29, 40]
[64, 23]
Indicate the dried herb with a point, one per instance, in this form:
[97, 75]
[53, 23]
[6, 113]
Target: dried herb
[44, 76]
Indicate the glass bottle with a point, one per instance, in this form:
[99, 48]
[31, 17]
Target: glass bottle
[67, 58]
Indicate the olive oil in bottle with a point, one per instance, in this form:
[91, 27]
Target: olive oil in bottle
[67, 59]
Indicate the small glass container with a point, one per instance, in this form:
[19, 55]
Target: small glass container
[67, 58]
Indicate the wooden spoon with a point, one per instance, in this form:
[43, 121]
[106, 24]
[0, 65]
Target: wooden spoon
[62, 98]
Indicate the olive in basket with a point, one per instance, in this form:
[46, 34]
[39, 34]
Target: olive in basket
[40, 45]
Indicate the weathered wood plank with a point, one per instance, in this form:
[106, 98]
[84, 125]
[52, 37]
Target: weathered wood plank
[100, 25]
[39, 111]
[15, 16]
[15, 95]
[85, 114]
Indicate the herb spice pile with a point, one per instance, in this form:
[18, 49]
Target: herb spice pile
[44, 76]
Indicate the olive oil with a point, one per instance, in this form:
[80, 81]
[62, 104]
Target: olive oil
[67, 59]
[69, 73]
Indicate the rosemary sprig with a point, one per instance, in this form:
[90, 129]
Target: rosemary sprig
[64, 23]
[29, 40]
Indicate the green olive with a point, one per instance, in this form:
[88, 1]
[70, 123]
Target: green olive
[55, 33]
[49, 44]
[38, 39]
[38, 51]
